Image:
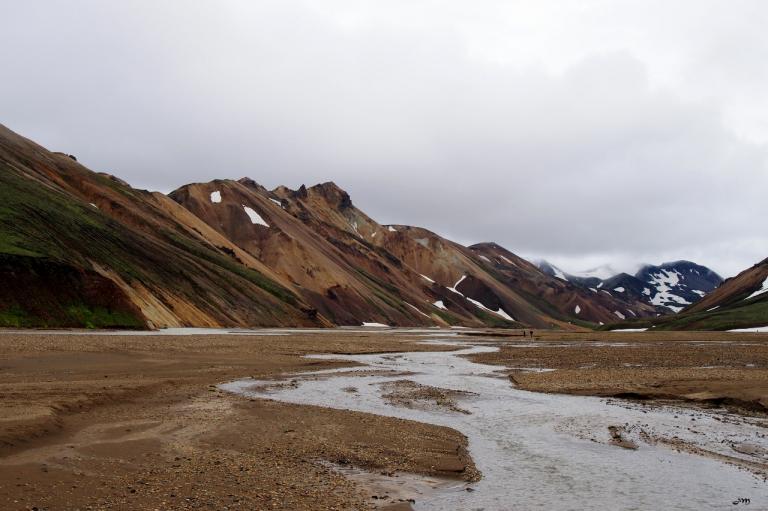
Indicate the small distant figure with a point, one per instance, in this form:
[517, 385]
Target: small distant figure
[531, 334]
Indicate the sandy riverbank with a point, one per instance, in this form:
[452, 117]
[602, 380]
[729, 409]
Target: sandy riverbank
[704, 368]
[116, 422]
[119, 422]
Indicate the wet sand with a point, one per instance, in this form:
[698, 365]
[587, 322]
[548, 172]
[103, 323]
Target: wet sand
[534, 448]
[410, 394]
[136, 422]
[701, 368]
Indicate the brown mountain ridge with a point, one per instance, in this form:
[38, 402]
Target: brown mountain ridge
[81, 248]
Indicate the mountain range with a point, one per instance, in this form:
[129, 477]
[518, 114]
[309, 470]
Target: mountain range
[668, 287]
[80, 248]
[740, 302]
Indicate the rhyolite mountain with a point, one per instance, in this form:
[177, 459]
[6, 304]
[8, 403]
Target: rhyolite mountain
[557, 294]
[340, 259]
[83, 248]
[80, 248]
[668, 287]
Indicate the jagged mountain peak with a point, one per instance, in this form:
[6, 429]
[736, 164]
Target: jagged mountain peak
[252, 184]
[330, 192]
[155, 263]
[282, 191]
[335, 195]
[327, 187]
[230, 252]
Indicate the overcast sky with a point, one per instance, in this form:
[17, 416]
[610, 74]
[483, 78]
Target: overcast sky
[584, 132]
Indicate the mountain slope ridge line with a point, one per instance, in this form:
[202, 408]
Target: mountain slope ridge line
[232, 253]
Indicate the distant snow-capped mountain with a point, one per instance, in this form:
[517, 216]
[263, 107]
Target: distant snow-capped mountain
[678, 284]
[669, 286]
[739, 304]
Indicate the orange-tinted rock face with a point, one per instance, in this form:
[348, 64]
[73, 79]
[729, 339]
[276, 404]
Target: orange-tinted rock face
[164, 261]
[351, 268]
[234, 253]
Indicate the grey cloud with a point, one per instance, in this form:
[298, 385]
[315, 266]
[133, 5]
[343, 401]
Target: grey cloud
[588, 164]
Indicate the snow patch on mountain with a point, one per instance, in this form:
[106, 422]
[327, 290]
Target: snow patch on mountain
[762, 290]
[508, 261]
[416, 309]
[501, 312]
[549, 269]
[254, 216]
[754, 329]
[559, 273]
[672, 285]
[457, 285]
[216, 197]
[665, 282]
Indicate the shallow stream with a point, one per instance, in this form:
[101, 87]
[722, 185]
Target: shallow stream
[554, 452]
